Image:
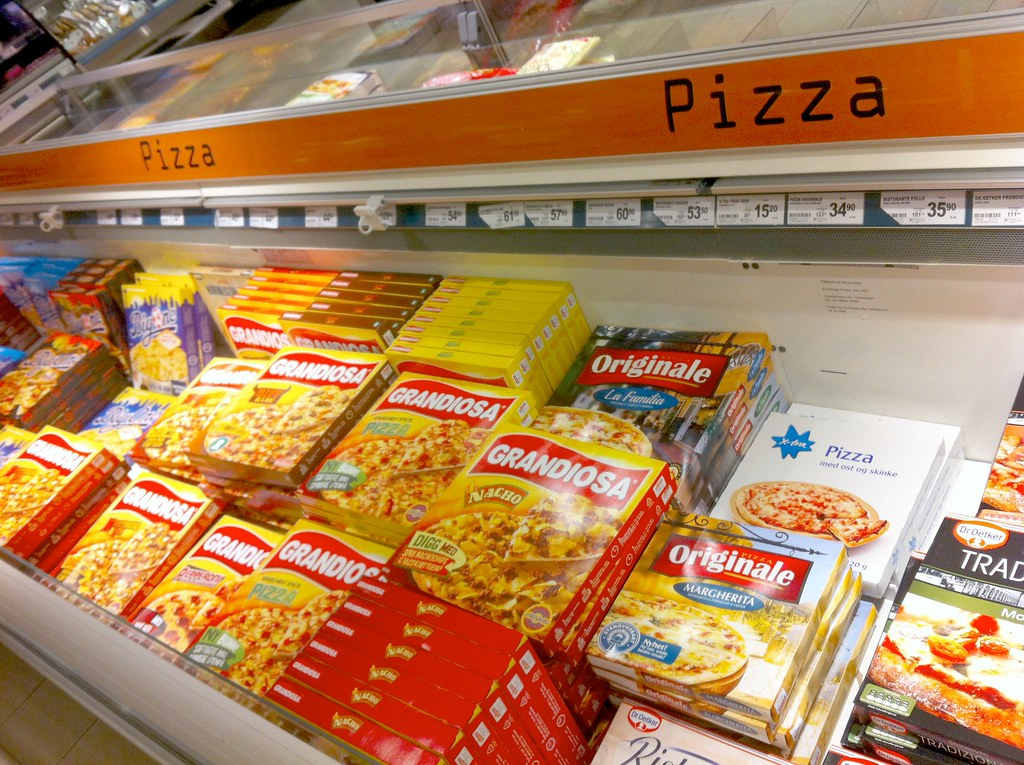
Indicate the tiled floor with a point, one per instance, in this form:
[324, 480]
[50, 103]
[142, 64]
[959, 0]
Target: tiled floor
[41, 725]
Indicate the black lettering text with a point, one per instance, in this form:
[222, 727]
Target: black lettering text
[773, 92]
[873, 96]
[671, 106]
[719, 95]
[808, 114]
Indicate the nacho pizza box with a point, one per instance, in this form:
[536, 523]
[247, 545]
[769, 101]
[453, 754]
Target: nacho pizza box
[530, 526]
[856, 482]
[281, 425]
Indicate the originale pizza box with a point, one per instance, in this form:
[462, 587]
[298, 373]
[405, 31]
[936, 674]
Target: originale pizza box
[531, 525]
[120, 424]
[164, 448]
[948, 668]
[281, 425]
[179, 608]
[407, 449]
[52, 488]
[861, 483]
[721, 612]
[275, 611]
[136, 541]
[338, 332]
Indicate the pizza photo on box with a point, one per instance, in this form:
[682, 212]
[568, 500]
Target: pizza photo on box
[809, 508]
[1005, 487]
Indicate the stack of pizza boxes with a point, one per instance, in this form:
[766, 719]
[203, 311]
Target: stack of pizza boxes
[12, 441]
[329, 310]
[121, 424]
[16, 331]
[64, 382]
[733, 626]
[1003, 497]
[516, 333]
[693, 399]
[944, 684]
[871, 483]
[51, 490]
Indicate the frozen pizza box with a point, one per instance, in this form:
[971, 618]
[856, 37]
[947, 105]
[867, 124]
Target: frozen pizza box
[560, 54]
[755, 600]
[856, 482]
[57, 481]
[274, 612]
[279, 427]
[256, 300]
[164, 346]
[179, 608]
[278, 274]
[838, 755]
[948, 667]
[373, 310]
[408, 448]
[136, 541]
[254, 332]
[12, 441]
[662, 393]
[338, 332]
[164, 448]
[93, 312]
[639, 733]
[334, 87]
[121, 424]
[352, 278]
[385, 293]
[530, 526]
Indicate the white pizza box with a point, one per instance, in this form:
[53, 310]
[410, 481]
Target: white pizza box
[889, 467]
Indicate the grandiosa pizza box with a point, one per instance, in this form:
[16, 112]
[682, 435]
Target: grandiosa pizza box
[949, 667]
[859, 483]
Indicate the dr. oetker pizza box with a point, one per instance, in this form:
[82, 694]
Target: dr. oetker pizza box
[954, 647]
[838, 755]
[857, 482]
[339, 332]
[755, 602]
[277, 609]
[530, 525]
[281, 425]
[181, 605]
[57, 482]
[638, 733]
[406, 450]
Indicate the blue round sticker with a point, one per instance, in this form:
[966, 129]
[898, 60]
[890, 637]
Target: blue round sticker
[636, 399]
[618, 638]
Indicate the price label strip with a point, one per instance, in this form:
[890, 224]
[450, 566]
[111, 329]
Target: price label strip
[846, 209]
[321, 217]
[699, 211]
[26, 219]
[556, 214]
[6, 219]
[172, 216]
[763, 210]
[446, 216]
[505, 215]
[997, 208]
[230, 217]
[605, 213]
[388, 214]
[106, 217]
[926, 208]
[263, 217]
[131, 216]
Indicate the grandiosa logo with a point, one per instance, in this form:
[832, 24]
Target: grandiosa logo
[979, 535]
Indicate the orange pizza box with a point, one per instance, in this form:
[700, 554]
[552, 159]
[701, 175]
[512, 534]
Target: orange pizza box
[179, 608]
[254, 332]
[51, 485]
[356, 732]
[274, 612]
[277, 274]
[164, 448]
[258, 300]
[408, 447]
[136, 541]
[374, 310]
[346, 278]
[525, 531]
[292, 289]
[382, 293]
[280, 426]
[709, 576]
[338, 332]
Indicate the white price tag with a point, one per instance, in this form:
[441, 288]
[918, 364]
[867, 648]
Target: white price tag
[131, 216]
[172, 216]
[321, 217]
[846, 209]
[26, 219]
[549, 214]
[505, 215]
[106, 217]
[6, 219]
[699, 211]
[446, 215]
[229, 217]
[926, 208]
[763, 210]
[997, 208]
[263, 217]
[613, 212]
[388, 215]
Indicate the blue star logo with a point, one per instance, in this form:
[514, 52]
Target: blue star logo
[793, 443]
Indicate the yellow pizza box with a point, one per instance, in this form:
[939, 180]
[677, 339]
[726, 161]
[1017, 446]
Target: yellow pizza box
[278, 275]
[275, 610]
[12, 440]
[755, 601]
[375, 310]
[179, 608]
[338, 332]
[274, 301]
[407, 449]
[120, 424]
[285, 288]
[254, 332]
[281, 425]
[525, 531]
[522, 353]
[502, 371]
[136, 540]
[164, 447]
